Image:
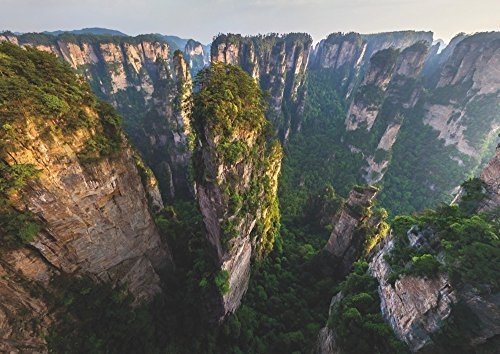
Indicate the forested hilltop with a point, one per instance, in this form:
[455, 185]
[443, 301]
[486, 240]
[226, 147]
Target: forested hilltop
[284, 198]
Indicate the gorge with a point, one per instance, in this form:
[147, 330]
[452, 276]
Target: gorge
[266, 194]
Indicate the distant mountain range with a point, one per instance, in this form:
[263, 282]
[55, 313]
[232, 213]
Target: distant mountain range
[90, 30]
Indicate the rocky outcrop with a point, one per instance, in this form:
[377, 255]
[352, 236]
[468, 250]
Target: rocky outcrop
[417, 307]
[370, 97]
[438, 56]
[346, 242]
[85, 212]
[446, 93]
[400, 97]
[414, 306]
[454, 121]
[396, 40]
[327, 342]
[140, 77]
[467, 90]
[345, 57]
[387, 81]
[167, 128]
[279, 64]
[491, 177]
[383, 93]
[97, 217]
[342, 55]
[198, 55]
[236, 175]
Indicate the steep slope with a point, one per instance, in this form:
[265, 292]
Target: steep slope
[145, 81]
[437, 280]
[236, 165]
[354, 226]
[344, 58]
[416, 123]
[340, 56]
[451, 129]
[73, 197]
[198, 54]
[279, 64]
[491, 177]
[435, 60]
[396, 40]
[355, 105]
[389, 91]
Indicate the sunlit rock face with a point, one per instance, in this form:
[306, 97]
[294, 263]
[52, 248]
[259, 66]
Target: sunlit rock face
[346, 241]
[278, 63]
[237, 164]
[463, 106]
[416, 307]
[147, 82]
[94, 207]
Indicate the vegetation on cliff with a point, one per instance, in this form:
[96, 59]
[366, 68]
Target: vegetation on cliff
[229, 122]
[40, 95]
[356, 318]
[452, 239]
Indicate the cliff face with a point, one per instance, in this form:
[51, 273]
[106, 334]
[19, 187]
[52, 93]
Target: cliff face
[97, 216]
[448, 304]
[343, 56]
[348, 236]
[166, 129]
[72, 197]
[467, 91]
[388, 93]
[279, 64]
[198, 54]
[435, 60]
[491, 177]
[454, 121]
[145, 81]
[237, 167]
[346, 57]
[416, 307]
[407, 111]
[24, 317]
[396, 40]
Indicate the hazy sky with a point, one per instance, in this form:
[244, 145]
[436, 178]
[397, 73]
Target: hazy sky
[202, 19]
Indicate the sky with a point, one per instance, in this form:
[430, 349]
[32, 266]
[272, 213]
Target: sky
[203, 19]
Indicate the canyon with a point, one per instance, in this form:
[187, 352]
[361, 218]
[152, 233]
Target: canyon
[236, 129]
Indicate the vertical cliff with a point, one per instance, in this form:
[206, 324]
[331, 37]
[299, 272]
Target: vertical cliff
[140, 77]
[279, 64]
[166, 129]
[451, 128]
[345, 58]
[442, 301]
[396, 40]
[433, 281]
[354, 224]
[491, 177]
[236, 163]
[198, 54]
[389, 92]
[72, 200]
[438, 56]
[417, 123]
[340, 56]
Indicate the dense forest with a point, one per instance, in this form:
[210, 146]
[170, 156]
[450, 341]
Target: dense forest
[225, 133]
